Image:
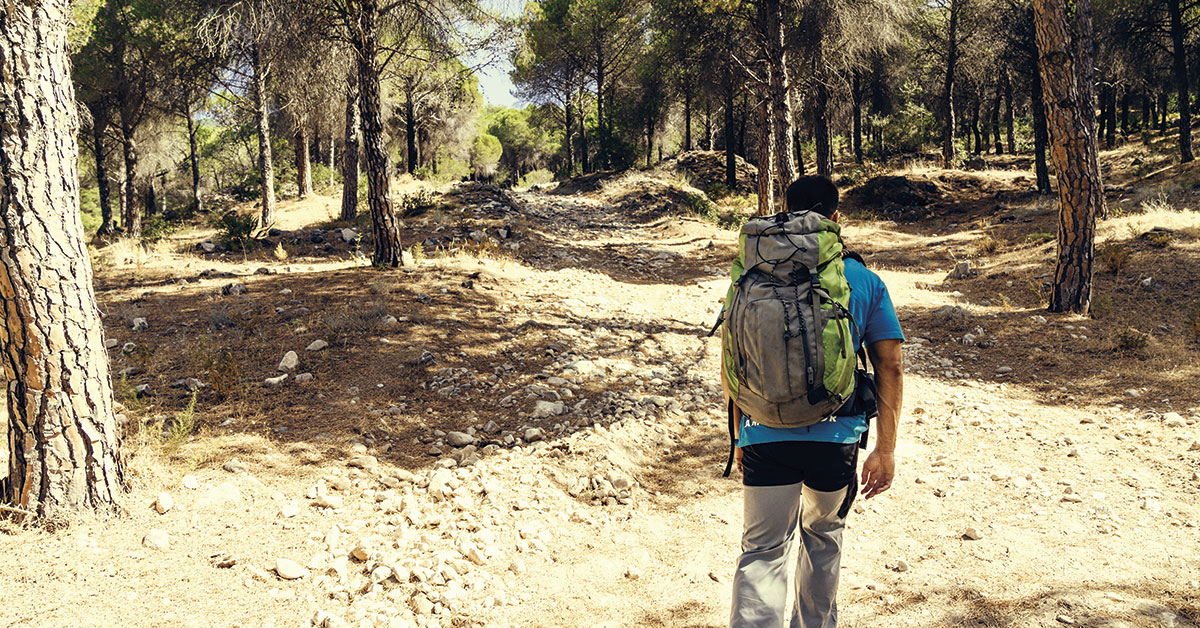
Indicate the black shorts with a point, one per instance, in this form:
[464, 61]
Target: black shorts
[821, 466]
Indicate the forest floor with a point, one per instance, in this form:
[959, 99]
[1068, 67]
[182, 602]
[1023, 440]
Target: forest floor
[523, 427]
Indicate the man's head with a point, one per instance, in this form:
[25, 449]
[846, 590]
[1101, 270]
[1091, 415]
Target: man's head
[813, 193]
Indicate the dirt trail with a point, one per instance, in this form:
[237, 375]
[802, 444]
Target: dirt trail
[612, 511]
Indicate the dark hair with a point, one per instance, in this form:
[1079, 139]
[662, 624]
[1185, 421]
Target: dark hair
[813, 193]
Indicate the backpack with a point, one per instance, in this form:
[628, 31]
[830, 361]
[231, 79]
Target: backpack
[788, 357]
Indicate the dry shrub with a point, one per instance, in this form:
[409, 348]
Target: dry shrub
[1159, 237]
[953, 318]
[1130, 340]
[1114, 257]
[1102, 305]
[1193, 325]
[354, 320]
[988, 245]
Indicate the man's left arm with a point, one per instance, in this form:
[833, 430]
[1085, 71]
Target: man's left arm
[880, 466]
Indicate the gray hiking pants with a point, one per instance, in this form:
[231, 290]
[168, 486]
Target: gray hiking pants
[760, 584]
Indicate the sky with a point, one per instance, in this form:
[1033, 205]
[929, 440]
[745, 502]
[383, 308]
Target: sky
[494, 83]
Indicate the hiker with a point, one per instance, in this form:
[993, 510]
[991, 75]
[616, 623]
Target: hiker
[805, 476]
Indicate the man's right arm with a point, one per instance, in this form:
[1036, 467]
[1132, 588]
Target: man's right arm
[880, 466]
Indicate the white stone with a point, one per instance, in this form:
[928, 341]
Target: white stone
[156, 540]
[545, 409]
[190, 482]
[317, 345]
[329, 501]
[1174, 419]
[972, 534]
[140, 324]
[289, 510]
[289, 569]
[304, 378]
[348, 235]
[275, 381]
[364, 462]
[163, 503]
[289, 362]
[534, 434]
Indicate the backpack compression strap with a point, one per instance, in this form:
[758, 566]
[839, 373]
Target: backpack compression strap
[732, 441]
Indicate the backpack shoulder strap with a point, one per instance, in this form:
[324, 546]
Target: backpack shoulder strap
[848, 254]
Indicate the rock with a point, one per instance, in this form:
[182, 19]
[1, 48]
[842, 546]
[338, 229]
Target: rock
[233, 465]
[323, 619]
[459, 439]
[349, 235]
[317, 345]
[163, 503]
[360, 553]
[156, 540]
[633, 573]
[128, 348]
[289, 510]
[972, 534]
[329, 501]
[364, 461]
[207, 246]
[140, 324]
[111, 343]
[1003, 370]
[583, 367]
[390, 320]
[275, 382]
[289, 569]
[900, 566]
[234, 289]
[142, 390]
[1195, 446]
[962, 270]
[1174, 419]
[427, 359]
[289, 362]
[534, 434]
[190, 482]
[1065, 619]
[545, 409]
[304, 378]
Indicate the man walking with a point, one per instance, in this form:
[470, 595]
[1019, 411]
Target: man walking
[804, 478]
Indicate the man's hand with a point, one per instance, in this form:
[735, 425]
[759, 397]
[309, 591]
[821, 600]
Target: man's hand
[737, 459]
[877, 472]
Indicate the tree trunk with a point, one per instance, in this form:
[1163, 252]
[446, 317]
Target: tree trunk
[1040, 133]
[856, 93]
[384, 227]
[1009, 130]
[266, 169]
[995, 120]
[1164, 102]
[410, 134]
[687, 118]
[948, 87]
[1125, 112]
[62, 431]
[708, 124]
[1065, 52]
[975, 107]
[730, 157]
[584, 161]
[194, 158]
[766, 160]
[1108, 121]
[820, 109]
[1143, 122]
[1179, 51]
[350, 153]
[100, 122]
[602, 131]
[133, 209]
[304, 185]
[779, 85]
[331, 158]
[569, 126]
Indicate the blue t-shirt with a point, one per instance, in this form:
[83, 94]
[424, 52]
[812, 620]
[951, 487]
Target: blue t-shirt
[872, 309]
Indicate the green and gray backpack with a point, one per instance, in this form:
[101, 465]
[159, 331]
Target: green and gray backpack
[788, 356]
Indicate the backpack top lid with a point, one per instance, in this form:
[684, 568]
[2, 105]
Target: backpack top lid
[785, 242]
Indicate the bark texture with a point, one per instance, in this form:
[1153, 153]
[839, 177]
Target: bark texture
[384, 226]
[266, 168]
[194, 157]
[350, 153]
[766, 160]
[100, 122]
[948, 86]
[1179, 52]
[1064, 39]
[304, 184]
[62, 431]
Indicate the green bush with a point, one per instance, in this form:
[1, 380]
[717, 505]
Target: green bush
[417, 203]
[698, 205]
[236, 230]
[320, 177]
[449, 170]
[89, 207]
[156, 229]
[717, 191]
[536, 177]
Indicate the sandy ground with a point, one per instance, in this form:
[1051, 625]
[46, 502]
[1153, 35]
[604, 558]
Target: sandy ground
[1087, 513]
